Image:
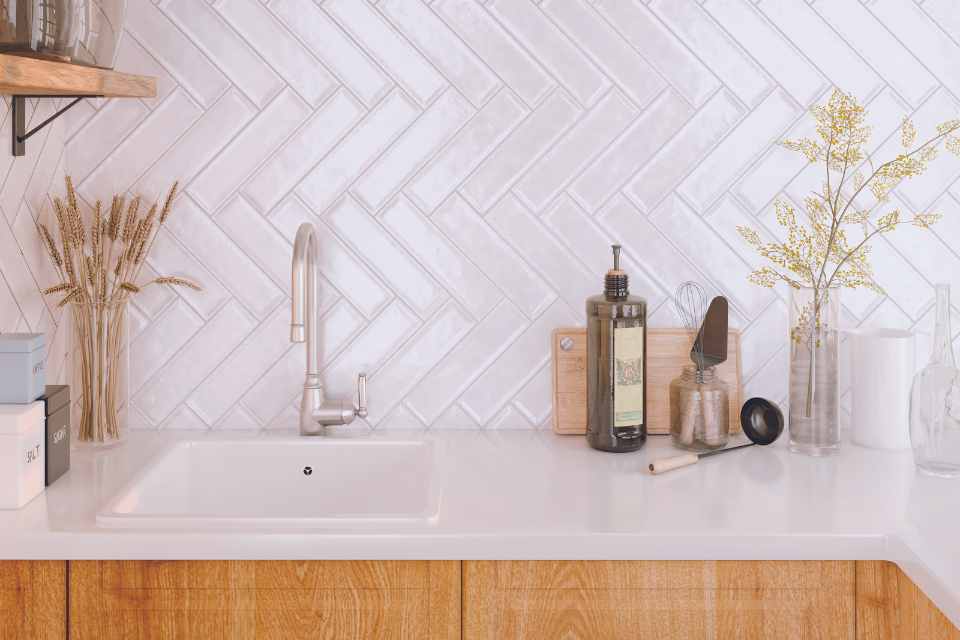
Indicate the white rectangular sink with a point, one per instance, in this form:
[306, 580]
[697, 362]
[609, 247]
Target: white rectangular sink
[282, 484]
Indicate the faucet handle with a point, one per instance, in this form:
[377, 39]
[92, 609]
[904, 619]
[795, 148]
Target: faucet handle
[361, 410]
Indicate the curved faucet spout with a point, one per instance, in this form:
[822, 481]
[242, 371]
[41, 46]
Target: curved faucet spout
[315, 411]
[306, 295]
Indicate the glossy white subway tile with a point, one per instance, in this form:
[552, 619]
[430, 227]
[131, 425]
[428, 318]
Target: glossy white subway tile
[534, 241]
[199, 145]
[424, 241]
[239, 274]
[738, 71]
[368, 139]
[129, 161]
[516, 366]
[224, 387]
[656, 43]
[835, 58]
[415, 359]
[722, 166]
[880, 48]
[305, 148]
[497, 47]
[175, 51]
[334, 48]
[631, 150]
[368, 239]
[248, 150]
[599, 40]
[680, 155]
[511, 159]
[494, 256]
[463, 68]
[208, 347]
[287, 56]
[571, 154]
[465, 362]
[392, 170]
[233, 55]
[160, 340]
[791, 69]
[553, 49]
[407, 65]
[487, 129]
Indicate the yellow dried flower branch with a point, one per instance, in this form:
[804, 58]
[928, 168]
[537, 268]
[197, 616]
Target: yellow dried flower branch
[817, 252]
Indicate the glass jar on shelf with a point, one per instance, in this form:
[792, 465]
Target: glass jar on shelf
[83, 32]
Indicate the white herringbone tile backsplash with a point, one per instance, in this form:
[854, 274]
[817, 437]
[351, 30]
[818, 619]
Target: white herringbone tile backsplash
[467, 164]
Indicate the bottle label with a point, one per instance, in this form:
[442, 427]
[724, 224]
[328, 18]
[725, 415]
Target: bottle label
[628, 376]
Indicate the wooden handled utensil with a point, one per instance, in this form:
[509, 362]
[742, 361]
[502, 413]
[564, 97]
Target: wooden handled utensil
[762, 423]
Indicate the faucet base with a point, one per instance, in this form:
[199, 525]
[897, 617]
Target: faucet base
[316, 413]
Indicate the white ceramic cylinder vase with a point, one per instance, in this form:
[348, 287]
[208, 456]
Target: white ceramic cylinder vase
[882, 363]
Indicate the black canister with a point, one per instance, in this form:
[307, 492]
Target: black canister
[56, 400]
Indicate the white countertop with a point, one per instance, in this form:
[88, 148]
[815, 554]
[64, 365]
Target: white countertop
[533, 495]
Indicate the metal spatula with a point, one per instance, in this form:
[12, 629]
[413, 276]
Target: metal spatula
[710, 347]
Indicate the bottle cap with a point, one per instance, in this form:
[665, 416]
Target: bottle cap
[616, 283]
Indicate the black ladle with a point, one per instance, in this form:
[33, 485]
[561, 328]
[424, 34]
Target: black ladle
[761, 421]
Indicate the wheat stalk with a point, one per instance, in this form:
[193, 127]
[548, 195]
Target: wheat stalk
[175, 281]
[50, 245]
[57, 288]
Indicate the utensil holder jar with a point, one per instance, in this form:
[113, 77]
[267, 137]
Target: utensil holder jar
[699, 410]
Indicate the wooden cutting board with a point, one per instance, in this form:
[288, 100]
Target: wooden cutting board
[668, 352]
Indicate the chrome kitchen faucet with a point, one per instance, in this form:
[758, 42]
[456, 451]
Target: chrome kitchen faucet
[316, 412]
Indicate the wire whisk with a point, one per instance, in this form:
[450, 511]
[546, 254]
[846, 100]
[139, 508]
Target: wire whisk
[690, 301]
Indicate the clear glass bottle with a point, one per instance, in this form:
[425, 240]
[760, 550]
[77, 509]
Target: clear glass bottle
[699, 410]
[935, 401]
[616, 365]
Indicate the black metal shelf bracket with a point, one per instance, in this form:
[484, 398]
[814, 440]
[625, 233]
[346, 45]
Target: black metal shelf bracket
[18, 120]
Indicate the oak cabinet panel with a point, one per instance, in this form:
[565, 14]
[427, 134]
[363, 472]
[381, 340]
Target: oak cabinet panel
[663, 600]
[33, 600]
[262, 600]
[503, 600]
[891, 607]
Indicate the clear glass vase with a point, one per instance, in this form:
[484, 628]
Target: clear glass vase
[100, 352]
[935, 401]
[814, 393]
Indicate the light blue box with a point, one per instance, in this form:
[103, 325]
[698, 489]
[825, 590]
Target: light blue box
[23, 377]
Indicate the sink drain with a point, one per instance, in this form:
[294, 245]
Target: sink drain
[307, 471]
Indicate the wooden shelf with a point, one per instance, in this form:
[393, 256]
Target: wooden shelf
[20, 75]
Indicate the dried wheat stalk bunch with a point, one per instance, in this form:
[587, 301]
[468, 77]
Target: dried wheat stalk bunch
[99, 263]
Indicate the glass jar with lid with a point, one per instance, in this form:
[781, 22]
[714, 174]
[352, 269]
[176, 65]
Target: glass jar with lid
[699, 410]
[78, 31]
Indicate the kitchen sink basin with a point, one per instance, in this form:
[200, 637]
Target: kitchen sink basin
[281, 484]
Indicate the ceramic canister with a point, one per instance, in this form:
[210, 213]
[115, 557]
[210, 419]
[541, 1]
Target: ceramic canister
[882, 363]
[22, 453]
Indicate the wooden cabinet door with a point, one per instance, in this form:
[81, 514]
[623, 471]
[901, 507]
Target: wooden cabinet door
[658, 600]
[891, 607]
[262, 600]
[33, 600]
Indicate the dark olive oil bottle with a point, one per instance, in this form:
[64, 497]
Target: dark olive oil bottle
[616, 365]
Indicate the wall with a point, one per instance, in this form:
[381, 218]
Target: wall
[24, 267]
[467, 165]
